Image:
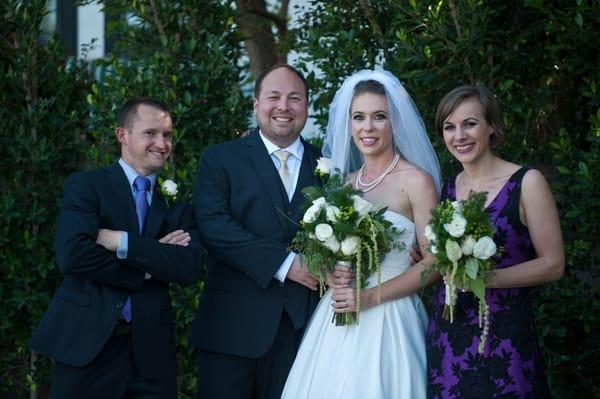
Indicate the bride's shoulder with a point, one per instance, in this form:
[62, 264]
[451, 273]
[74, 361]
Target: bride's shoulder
[411, 174]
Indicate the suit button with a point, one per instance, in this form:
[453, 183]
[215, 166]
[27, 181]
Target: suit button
[290, 213]
[119, 305]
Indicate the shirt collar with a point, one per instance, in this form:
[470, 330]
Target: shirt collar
[132, 174]
[296, 148]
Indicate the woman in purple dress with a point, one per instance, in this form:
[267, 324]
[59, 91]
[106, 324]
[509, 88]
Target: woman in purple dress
[524, 214]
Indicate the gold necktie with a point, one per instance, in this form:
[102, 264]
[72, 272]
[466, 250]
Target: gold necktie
[284, 172]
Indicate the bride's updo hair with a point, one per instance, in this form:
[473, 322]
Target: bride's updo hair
[368, 86]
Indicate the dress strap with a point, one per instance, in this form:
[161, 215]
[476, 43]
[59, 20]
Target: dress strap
[517, 177]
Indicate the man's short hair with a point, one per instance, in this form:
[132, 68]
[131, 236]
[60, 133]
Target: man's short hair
[263, 75]
[129, 110]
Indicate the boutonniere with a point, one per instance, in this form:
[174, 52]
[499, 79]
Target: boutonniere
[169, 190]
[323, 168]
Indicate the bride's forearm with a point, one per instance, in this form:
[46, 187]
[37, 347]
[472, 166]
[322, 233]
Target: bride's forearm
[400, 286]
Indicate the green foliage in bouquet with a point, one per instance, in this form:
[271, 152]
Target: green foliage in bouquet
[340, 226]
[461, 237]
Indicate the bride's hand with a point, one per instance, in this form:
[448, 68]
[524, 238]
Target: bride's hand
[343, 300]
[341, 277]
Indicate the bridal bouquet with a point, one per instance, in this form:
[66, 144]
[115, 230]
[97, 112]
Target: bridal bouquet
[460, 234]
[339, 226]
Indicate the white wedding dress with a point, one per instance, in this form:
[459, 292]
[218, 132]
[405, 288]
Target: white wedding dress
[381, 357]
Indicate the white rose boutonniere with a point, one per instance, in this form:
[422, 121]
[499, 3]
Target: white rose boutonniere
[169, 189]
[323, 167]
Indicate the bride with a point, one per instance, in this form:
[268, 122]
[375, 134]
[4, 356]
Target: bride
[375, 130]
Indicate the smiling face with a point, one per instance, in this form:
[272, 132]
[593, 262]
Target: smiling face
[147, 143]
[466, 132]
[371, 124]
[281, 107]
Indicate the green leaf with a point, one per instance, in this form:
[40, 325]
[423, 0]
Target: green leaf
[478, 287]
[472, 267]
[579, 19]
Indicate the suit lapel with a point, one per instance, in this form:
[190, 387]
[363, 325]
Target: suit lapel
[306, 177]
[268, 176]
[156, 214]
[124, 197]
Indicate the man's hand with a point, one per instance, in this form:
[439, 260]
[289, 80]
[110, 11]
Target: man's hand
[177, 237]
[299, 273]
[109, 239]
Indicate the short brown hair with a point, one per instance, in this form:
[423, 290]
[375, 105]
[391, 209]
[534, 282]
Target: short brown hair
[128, 111]
[491, 111]
[263, 75]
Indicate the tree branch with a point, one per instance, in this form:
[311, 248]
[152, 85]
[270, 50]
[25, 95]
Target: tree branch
[374, 25]
[281, 23]
[159, 26]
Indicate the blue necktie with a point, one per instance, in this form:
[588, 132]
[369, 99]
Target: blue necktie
[142, 185]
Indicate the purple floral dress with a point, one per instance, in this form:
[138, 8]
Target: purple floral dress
[511, 365]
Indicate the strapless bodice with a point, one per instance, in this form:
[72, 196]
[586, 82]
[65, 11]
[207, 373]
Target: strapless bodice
[397, 260]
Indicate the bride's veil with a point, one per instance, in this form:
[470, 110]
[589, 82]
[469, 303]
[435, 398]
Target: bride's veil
[409, 133]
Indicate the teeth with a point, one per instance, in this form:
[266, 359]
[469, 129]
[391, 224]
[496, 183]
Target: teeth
[282, 119]
[463, 147]
[368, 140]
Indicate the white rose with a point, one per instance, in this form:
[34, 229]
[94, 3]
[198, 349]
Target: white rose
[169, 187]
[333, 213]
[456, 227]
[361, 206]
[324, 165]
[429, 234]
[350, 245]
[434, 249]
[457, 205]
[467, 245]
[332, 243]
[323, 231]
[320, 202]
[484, 248]
[453, 251]
[311, 214]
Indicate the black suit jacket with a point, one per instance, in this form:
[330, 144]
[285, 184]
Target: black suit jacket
[87, 304]
[246, 223]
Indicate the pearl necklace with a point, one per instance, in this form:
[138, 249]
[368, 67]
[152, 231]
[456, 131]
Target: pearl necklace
[378, 179]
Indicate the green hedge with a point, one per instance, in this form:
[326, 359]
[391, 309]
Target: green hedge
[541, 58]
[542, 61]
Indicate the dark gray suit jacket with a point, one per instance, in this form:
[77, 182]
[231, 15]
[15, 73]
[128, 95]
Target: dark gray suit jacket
[246, 223]
[87, 304]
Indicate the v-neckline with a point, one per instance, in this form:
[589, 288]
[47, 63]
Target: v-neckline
[497, 194]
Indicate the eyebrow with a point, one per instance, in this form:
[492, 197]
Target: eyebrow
[374, 112]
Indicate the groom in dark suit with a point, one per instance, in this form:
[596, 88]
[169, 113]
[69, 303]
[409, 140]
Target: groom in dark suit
[257, 296]
[118, 244]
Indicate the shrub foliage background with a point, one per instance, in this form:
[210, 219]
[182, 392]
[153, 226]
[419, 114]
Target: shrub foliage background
[540, 58]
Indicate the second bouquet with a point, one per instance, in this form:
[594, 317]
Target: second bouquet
[339, 226]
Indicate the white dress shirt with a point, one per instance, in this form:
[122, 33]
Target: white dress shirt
[296, 150]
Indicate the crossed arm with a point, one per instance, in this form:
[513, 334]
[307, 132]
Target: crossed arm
[84, 249]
